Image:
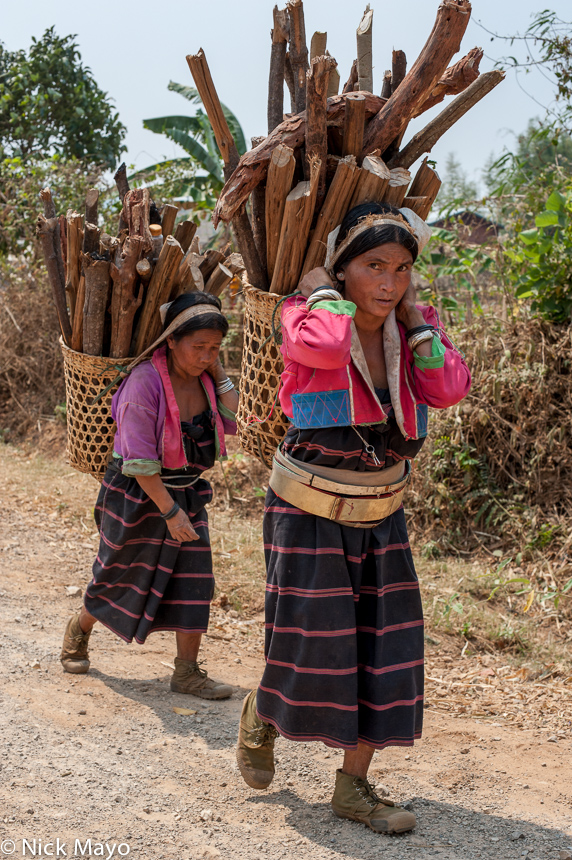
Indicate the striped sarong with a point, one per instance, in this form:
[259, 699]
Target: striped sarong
[143, 580]
[344, 631]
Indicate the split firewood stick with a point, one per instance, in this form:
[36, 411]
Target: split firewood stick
[399, 180]
[352, 80]
[316, 124]
[372, 182]
[354, 125]
[364, 51]
[144, 269]
[73, 268]
[48, 230]
[455, 79]
[333, 83]
[220, 278]
[425, 140]
[318, 44]
[184, 234]
[49, 213]
[386, 88]
[122, 185]
[125, 298]
[97, 284]
[289, 78]
[158, 292]
[189, 277]
[48, 201]
[77, 326]
[253, 165]
[195, 247]
[279, 34]
[332, 212]
[91, 237]
[109, 246]
[227, 147]
[212, 258]
[298, 214]
[420, 205]
[92, 206]
[298, 52]
[278, 187]
[398, 69]
[258, 213]
[442, 44]
[234, 263]
[168, 217]
[64, 244]
[426, 183]
[136, 215]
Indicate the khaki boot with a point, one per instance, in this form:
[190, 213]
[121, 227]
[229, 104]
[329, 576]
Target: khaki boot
[355, 798]
[255, 747]
[188, 677]
[74, 656]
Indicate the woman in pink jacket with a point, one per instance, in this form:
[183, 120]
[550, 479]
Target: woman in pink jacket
[344, 623]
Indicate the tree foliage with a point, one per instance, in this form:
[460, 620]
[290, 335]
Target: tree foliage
[50, 103]
[457, 189]
[201, 173]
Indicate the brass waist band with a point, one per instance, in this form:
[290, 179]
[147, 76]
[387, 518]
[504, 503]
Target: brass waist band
[334, 501]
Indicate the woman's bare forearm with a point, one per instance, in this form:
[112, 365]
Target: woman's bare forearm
[153, 486]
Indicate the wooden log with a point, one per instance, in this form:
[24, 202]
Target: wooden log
[227, 147]
[289, 78]
[364, 52]
[354, 125]
[253, 165]
[234, 263]
[316, 124]
[386, 88]
[91, 237]
[336, 204]
[158, 292]
[73, 267]
[220, 278]
[398, 69]
[184, 234]
[298, 214]
[279, 34]
[49, 213]
[168, 217]
[48, 230]
[125, 298]
[189, 278]
[333, 83]
[278, 187]
[144, 270]
[426, 186]
[136, 215]
[212, 258]
[318, 44]
[48, 202]
[77, 327]
[442, 44]
[298, 52]
[372, 182]
[121, 181]
[92, 206]
[455, 79]
[97, 284]
[258, 209]
[399, 180]
[352, 80]
[425, 140]
[420, 205]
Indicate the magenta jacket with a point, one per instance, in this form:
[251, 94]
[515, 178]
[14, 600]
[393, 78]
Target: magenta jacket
[326, 381]
[149, 434]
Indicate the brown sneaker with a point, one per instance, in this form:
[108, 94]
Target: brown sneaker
[355, 798]
[74, 656]
[188, 677]
[255, 747]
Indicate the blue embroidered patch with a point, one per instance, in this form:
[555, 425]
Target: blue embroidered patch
[422, 416]
[321, 409]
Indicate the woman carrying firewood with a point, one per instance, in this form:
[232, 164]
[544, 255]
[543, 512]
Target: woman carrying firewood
[154, 566]
[344, 641]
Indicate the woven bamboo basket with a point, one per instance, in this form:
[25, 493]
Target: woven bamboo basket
[261, 422]
[91, 429]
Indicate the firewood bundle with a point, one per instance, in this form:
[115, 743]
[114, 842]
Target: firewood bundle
[333, 151]
[108, 289]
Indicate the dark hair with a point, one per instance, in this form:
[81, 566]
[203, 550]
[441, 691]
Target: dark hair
[373, 237]
[201, 321]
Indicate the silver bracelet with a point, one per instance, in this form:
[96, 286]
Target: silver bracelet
[418, 339]
[224, 386]
[323, 294]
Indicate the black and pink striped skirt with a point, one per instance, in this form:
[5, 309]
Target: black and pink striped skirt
[344, 631]
[143, 580]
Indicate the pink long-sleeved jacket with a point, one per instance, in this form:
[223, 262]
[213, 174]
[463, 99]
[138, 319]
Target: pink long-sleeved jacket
[326, 381]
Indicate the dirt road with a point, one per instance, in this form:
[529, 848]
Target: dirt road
[104, 757]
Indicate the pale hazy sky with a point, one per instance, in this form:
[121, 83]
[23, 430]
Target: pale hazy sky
[134, 49]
